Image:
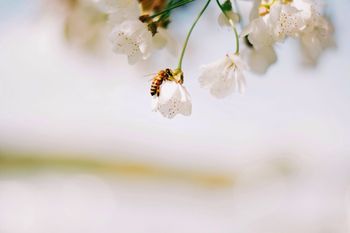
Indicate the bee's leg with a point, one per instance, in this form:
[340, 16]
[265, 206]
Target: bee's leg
[171, 78]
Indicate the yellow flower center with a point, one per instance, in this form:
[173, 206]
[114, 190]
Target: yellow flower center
[265, 5]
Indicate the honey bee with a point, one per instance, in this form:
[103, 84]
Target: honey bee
[157, 81]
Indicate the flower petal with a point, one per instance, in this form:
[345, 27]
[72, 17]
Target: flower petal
[260, 60]
[168, 90]
[132, 39]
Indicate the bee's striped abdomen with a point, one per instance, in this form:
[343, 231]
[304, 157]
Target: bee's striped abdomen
[155, 87]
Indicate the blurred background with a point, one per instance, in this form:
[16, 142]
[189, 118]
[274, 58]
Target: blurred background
[81, 150]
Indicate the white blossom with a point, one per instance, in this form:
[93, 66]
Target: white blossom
[259, 60]
[318, 33]
[233, 19]
[282, 20]
[285, 20]
[259, 33]
[129, 35]
[173, 99]
[314, 41]
[118, 15]
[133, 39]
[224, 76]
[301, 19]
[163, 39]
[115, 6]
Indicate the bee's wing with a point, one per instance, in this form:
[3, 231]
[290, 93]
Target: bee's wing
[148, 75]
[152, 74]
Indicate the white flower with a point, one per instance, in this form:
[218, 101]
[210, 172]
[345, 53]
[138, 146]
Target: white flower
[314, 41]
[130, 36]
[254, 12]
[285, 20]
[280, 21]
[173, 99]
[118, 15]
[113, 6]
[233, 18]
[259, 60]
[259, 33]
[133, 39]
[163, 39]
[318, 33]
[224, 76]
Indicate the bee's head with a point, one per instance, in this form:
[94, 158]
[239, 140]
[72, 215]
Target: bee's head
[168, 72]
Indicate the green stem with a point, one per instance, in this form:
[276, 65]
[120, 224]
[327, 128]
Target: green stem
[232, 25]
[181, 3]
[236, 6]
[237, 40]
[179, 66]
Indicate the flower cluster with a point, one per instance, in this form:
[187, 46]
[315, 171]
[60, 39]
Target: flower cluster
[274, 21]
[135, 33]
[224, 76]
[140, 27]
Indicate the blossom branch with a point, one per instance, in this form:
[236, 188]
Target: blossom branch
[176, 5]
[137, 34]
